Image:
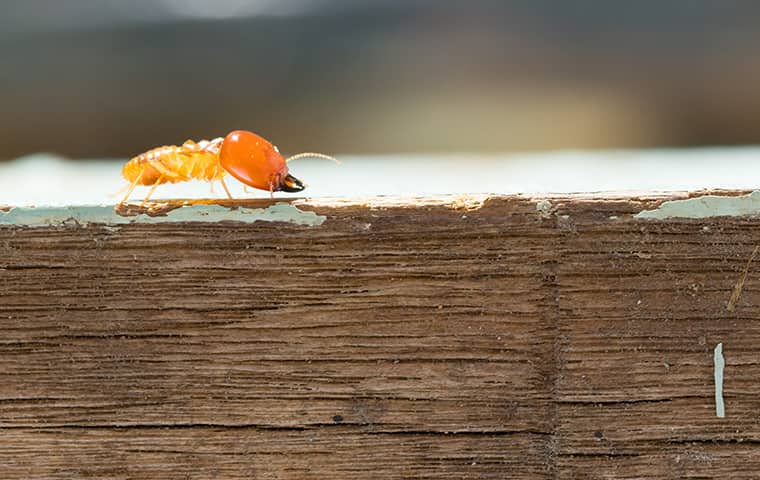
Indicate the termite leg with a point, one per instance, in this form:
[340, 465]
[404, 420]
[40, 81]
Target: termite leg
[119, 191]
[152, 189]
[227, 190]
[131, 188]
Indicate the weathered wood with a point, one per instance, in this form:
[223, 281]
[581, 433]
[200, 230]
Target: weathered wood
[396, 340]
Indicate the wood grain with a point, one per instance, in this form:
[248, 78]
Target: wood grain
[397, 340]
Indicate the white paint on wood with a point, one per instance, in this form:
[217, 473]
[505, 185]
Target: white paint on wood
[706, 206]
[719, 364]
[47, 216]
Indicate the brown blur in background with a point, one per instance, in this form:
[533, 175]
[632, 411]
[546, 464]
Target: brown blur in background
[111, 78]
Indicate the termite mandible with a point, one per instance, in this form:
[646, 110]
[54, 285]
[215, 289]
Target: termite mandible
[243, 154]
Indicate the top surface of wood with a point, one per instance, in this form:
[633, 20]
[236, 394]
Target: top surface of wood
[315, 211]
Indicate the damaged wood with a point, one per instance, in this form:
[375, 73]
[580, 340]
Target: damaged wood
[398, 339]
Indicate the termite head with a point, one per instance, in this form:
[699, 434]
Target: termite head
[257, 163]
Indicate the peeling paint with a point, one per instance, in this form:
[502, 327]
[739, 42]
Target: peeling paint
[544, 207]
[705, 207]
[719, 364]
[103, 214]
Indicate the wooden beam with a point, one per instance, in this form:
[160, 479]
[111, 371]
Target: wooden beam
[500, 337]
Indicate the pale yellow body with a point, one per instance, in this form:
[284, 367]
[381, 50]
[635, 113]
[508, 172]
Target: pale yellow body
[171, 164]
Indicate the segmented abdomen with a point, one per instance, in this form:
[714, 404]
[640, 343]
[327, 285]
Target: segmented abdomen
[171, 163]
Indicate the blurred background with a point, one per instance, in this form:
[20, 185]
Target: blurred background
[112, 78]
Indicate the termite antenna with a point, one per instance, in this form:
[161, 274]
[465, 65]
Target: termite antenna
[312, 155]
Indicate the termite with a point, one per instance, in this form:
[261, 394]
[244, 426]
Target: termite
[244, 155]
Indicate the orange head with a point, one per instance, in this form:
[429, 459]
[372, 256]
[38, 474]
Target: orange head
[257, 163]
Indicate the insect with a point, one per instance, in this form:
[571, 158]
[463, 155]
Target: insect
[244, 155]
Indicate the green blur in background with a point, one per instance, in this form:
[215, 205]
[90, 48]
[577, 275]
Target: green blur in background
[112, 78]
